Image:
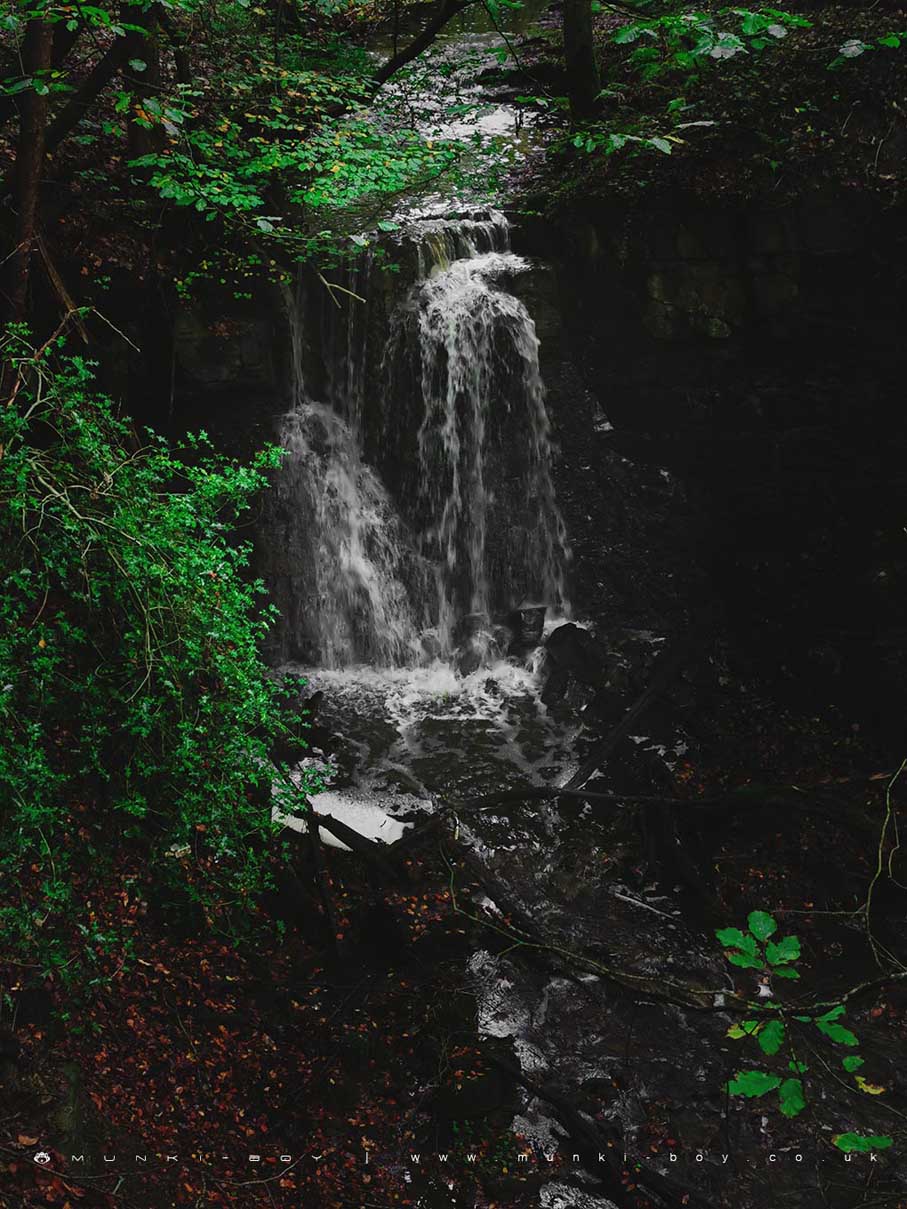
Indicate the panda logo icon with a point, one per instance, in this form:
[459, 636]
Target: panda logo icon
[42, 1157]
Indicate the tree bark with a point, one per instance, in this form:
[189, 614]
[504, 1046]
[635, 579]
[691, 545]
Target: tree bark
[37, 50]
[143, 45]
[95, 82]
[177, 38]
[64, 40]
[583, 84]
[447, 11]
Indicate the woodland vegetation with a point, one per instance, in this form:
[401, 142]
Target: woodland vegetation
[193, 145]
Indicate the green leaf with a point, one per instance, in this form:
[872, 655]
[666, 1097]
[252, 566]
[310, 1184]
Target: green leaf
[784, 972]
[861, 1143]
[733, 938]
[834, 1013]
[891, 40]
[744, 960]
[798, 1068]
[752, 1083]
[746, 1028]
[661, 145]
[837, 1033]
[771, 1038]
[852, 1062]
[785, 950]
[754, 23]
[761, 924]
[629, 33]
[790, 1097]
[138, 64]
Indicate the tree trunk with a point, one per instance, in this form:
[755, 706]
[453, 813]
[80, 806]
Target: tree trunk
[446, 12]
[142, 138]
[37, 49]
[583, 83]
[82, 100]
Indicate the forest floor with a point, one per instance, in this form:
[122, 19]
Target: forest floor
[328, 1049]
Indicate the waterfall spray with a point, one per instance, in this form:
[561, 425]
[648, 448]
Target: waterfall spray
[424, 564]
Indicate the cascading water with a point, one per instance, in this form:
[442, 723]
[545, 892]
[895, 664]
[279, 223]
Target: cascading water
[488, 520]
[352, 583]
[417, 505]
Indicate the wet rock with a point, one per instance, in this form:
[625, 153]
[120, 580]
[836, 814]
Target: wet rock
[571, 651]
[215, 350]
[431, 645]
[526, 625]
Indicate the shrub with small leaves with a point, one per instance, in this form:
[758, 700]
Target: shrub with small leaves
[134, 701]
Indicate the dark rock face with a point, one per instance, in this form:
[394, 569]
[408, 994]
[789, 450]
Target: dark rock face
[526, 625]
[755, 354]
[571, 651]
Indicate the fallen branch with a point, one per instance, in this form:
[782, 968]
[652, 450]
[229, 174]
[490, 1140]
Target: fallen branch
[782, 797]
[69, 306]
[526, 936]
[448, 10]
[373, 852]
[873, 986]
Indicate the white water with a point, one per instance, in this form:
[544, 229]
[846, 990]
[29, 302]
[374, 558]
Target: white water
[353, 543]
[454, 408]
[469, 330]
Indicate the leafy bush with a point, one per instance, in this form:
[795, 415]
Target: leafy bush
[771, 1025]
[134, 702]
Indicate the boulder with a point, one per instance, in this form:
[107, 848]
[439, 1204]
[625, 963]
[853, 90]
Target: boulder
[572, 651]
[526, 625]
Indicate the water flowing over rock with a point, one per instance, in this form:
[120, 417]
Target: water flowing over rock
[415, 508]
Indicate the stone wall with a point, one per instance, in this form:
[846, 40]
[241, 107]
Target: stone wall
[757, 352]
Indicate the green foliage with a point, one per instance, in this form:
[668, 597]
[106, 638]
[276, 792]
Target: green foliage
[134, 702]
[280, 138]
[608, 141]
[752, 1083]
[828, 1025]
[745, 949]
[672, 50]
[855, 1143]
[771, 1023]
[854, 48]
[682, 41]
[284, 164]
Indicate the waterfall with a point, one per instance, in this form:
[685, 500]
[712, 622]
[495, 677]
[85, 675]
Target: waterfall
[351, 589]
[416, 506]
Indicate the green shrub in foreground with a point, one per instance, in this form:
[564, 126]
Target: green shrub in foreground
[134, 703]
